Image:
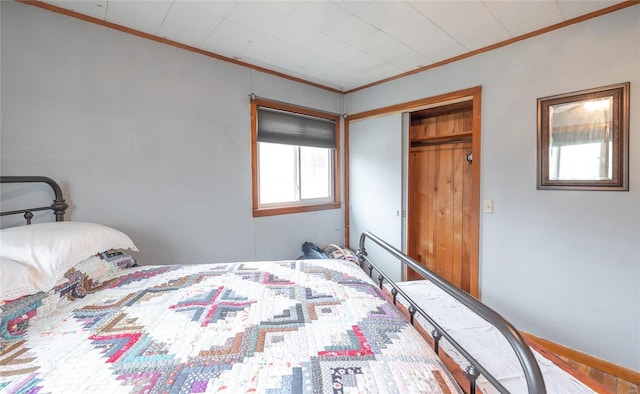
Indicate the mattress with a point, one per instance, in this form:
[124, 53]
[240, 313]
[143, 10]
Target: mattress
[304, 326]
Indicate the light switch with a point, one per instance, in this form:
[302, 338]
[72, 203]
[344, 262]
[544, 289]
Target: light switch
[487, 206]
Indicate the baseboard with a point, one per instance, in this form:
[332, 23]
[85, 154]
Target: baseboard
[591, 361]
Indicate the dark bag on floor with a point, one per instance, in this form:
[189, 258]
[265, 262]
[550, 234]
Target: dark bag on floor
[312, 251]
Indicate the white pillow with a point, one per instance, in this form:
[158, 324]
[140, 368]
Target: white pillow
[50, 249]
[16, 280]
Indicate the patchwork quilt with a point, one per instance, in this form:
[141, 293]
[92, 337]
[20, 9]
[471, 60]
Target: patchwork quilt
[314, 326]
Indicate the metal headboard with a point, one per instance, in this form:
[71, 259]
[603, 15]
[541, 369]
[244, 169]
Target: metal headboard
[58, 207]
[532, 373]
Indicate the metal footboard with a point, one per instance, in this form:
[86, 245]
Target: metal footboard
[532, 374]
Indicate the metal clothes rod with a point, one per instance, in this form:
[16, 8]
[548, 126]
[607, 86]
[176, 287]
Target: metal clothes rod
[417, 144]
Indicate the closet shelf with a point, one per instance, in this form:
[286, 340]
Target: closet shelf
[442, 139]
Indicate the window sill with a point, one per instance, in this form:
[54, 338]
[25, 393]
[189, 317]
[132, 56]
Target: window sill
[259, 212]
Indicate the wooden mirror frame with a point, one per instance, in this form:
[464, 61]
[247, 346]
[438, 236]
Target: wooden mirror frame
[619, 130]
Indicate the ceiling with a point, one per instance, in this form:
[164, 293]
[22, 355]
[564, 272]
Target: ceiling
[341, 45]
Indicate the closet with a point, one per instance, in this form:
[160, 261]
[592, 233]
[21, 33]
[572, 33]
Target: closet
[440, 186]
[413, 178]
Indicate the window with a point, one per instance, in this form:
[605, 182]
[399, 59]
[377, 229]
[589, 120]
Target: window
[295, 159]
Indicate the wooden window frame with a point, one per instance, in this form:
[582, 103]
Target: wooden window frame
[297, 207]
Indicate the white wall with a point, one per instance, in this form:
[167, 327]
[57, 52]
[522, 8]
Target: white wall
[145, 137]
[563, 265]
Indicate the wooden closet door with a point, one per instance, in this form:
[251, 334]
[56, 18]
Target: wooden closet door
[440, 190]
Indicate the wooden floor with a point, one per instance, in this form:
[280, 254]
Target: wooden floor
[611, 383]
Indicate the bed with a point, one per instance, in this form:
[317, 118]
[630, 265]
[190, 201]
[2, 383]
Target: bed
[78, 314]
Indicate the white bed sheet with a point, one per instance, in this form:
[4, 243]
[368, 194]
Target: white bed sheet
[482, 341]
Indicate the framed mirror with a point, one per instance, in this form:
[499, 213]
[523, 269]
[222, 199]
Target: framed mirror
[583, 139]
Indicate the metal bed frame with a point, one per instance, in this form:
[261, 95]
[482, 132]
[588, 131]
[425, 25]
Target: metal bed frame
[532, 373]
[59, 205]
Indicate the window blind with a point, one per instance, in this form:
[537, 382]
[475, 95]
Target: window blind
[282, 127]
